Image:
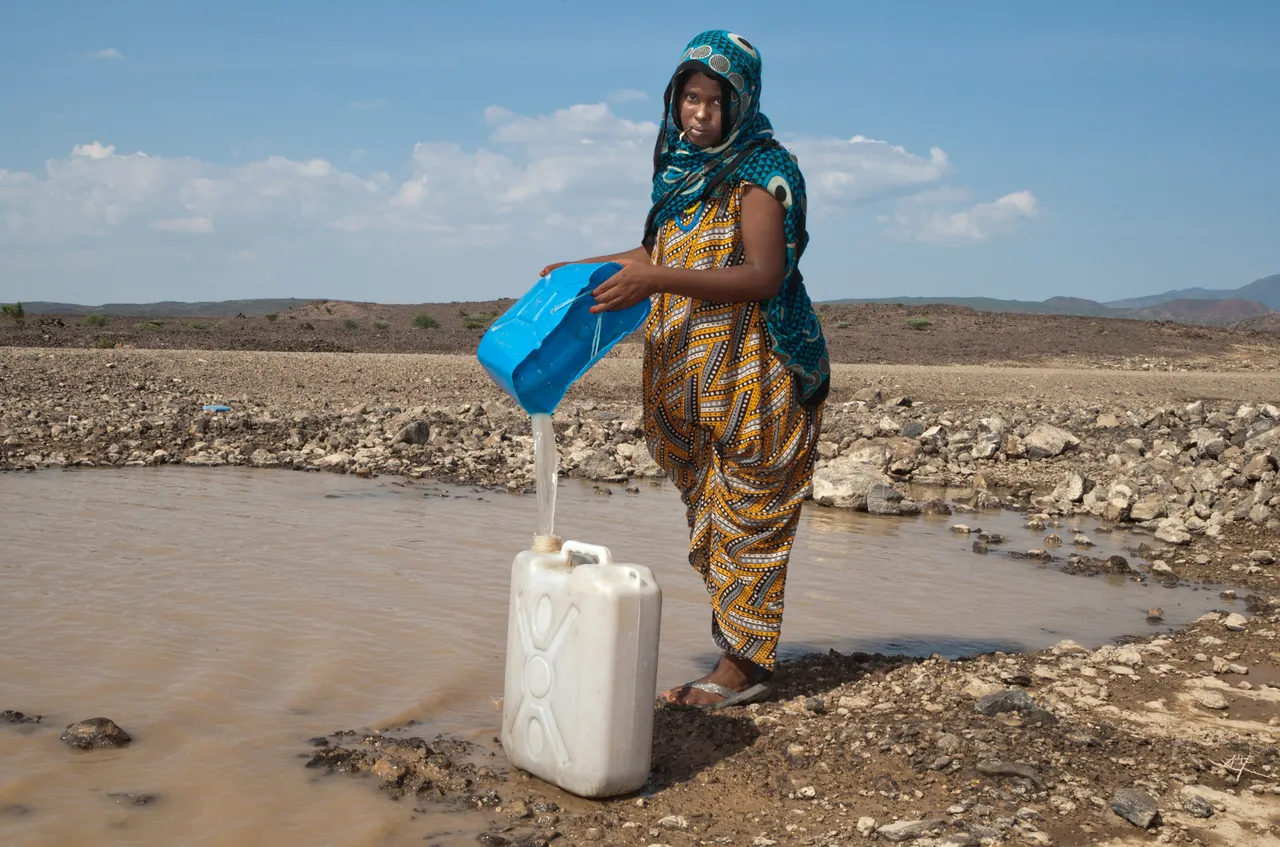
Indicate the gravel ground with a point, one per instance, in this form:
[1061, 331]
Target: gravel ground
[1171, 738]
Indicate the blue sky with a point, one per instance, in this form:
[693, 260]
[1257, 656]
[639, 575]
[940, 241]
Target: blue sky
[404, 152]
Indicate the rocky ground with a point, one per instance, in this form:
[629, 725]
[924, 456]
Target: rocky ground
[1181, 459]
[856, 333]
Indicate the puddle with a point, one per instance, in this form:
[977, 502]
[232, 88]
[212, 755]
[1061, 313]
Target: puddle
[225, 616]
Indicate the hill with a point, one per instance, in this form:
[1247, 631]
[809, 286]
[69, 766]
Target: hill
[170, 308]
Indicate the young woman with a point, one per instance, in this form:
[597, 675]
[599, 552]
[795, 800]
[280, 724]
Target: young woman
[735, 364]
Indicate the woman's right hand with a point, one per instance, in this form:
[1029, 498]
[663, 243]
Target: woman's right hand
[549, 268]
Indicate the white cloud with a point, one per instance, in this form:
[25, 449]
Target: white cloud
[571, 183]
[627, 95]
[189, 225]
[927, 217]
[109, 53]
[366, 105]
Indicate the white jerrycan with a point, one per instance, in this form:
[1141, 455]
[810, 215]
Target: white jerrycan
[582, 665]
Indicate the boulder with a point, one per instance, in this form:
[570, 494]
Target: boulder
[1046, 441]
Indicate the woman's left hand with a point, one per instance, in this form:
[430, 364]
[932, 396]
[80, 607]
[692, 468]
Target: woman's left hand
[635, 282]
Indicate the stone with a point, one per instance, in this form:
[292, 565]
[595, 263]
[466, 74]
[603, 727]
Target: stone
[1107, 420]
[1008, 700]
[1046, 441]
[901, 831]
[95, 732]
[870, 396]
[887, 500]
[866, 826]
[1235, 622]
[415, 432]
[845, 482]
[1172, 531]
[674, 822]
[1147, 508]
[13, 716]
[598, 465]
[1137, 807]
[1210, 699]
[1197, 806]
[1072, 488]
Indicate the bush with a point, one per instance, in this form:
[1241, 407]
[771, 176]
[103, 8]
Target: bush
[105, 343]
[843, 324]
[425, 322]
[919, 323]
[14, 311]
[146, 325]
[271, 316]
[95, 320]
[197, 325]
[381, 325]
[350, 323]
[480, 321]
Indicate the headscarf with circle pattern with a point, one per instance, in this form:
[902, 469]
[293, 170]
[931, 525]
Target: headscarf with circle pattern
[685, 175]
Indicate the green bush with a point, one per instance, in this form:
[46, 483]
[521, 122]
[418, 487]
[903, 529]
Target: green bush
[146, 325]
[95, 320]
[425, 322]
[843, 324]
[271, 316]
[197, 325]
[14, 311]
[350, 323]
[919, 323]
[105, 343]
[381, 325]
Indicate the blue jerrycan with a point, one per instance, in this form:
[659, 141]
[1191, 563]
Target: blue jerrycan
[549, 338]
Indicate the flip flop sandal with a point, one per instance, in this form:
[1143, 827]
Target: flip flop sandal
[754, 694]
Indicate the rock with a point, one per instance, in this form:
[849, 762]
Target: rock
[900, 831]
[1072, 488]
[674, 822]
[980, 547]
[1147, 508]
[12, 716]
[95, 732]
[1008, 700]
[1137, 807]
[870, 396]
[1107, 420]
[846, 482]
[1020, 770]
[887, 500]
[1235, 622]
[1262, 557]
[1046, 441]
[415, 432]
[1258, 466]
[1210, 699]
[866, 826]
[1172, 531]
[1197, 806]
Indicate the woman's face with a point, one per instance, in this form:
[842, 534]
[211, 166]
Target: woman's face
[701, 112]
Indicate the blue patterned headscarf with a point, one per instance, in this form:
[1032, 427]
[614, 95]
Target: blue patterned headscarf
[685, 174]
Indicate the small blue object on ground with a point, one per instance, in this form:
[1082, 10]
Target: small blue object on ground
[217, 408]
[549, 338]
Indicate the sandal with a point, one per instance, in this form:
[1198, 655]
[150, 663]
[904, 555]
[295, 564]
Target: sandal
[752, 694]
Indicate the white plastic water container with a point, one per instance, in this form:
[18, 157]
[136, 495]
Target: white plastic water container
[582, 666]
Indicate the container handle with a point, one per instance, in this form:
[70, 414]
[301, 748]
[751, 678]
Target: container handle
[600, 554]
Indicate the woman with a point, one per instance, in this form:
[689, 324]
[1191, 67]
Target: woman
[735, 363]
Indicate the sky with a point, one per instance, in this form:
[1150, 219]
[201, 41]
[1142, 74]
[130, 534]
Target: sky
[406, 152]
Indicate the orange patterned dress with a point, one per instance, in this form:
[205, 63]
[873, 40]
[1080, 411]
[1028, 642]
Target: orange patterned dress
[723, 418]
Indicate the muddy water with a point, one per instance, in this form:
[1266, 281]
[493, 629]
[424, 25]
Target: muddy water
[223, 617]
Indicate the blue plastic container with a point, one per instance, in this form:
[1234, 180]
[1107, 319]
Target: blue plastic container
[549, 338]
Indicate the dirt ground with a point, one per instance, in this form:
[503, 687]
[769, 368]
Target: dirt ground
[870, 334]
[854, 748]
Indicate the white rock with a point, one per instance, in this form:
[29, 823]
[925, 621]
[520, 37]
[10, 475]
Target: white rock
[1235, 622]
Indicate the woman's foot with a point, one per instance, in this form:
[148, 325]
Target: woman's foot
[733, 672]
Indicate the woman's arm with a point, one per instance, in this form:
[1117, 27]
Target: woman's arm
[638, 254]
[758, 277]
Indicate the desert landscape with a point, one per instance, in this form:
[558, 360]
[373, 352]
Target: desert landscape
[1164, 434]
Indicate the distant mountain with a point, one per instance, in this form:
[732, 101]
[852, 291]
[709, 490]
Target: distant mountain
[1265, 291]
[1188, 305]
[1203, 311]
[170, 308]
